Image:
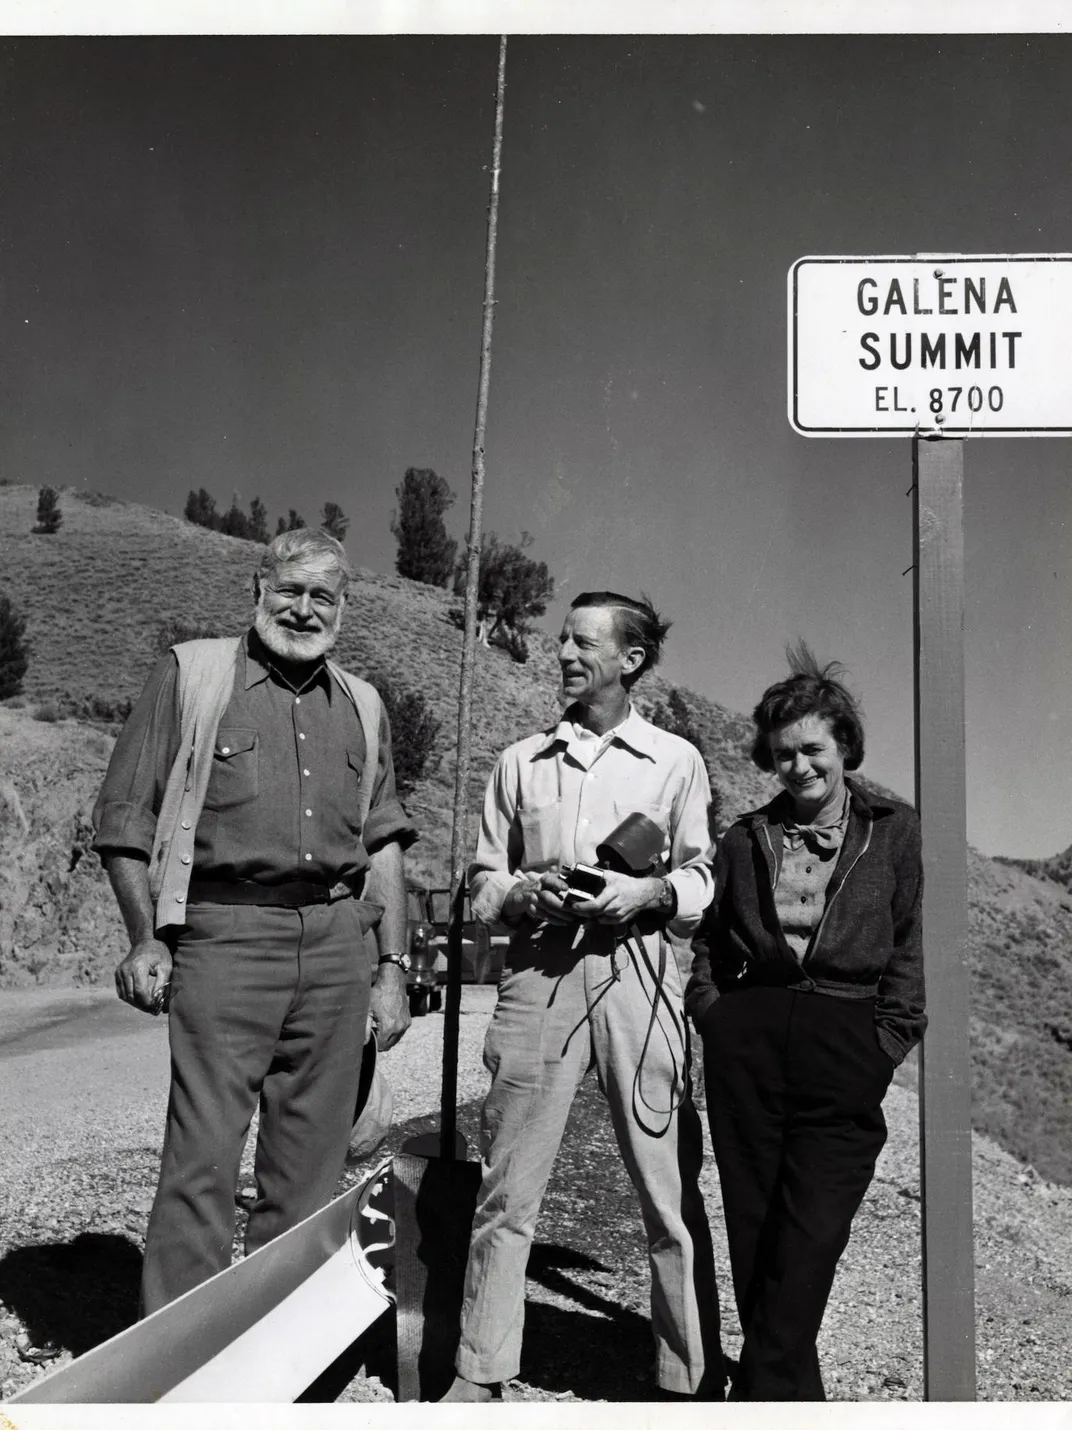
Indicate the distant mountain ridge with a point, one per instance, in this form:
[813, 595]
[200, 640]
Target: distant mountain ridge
[95, 595]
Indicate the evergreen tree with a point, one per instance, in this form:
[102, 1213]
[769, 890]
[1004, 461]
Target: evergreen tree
[334, 521]
[258, 522]
[49, 516]
[512, 590]
[234, 521]
[425, 551]
[200, 508]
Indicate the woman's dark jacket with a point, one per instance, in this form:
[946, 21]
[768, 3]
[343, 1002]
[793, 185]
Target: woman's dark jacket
[868, 943]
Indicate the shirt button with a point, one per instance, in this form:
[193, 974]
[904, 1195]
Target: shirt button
[300, 735]
[297, 700]
[186, 858]
[306, 773]
[226, 750]
[185, 824]
[803, 898]
[308, 856]
[807, 869]
[308, 813]
[180, 898]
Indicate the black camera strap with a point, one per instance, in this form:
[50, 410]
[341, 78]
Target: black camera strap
[677, 1097]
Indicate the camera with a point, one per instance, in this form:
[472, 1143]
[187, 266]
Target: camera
[585, 882]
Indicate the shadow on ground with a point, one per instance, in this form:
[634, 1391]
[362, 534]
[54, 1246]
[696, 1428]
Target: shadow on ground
[75, 1294]
[599, 1351]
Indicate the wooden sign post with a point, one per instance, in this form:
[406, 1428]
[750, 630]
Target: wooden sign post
[938, 348]
[945, 1063]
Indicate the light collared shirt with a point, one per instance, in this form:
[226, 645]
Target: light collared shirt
[553, 797]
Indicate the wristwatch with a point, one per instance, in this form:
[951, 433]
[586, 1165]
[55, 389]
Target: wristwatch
[667, 899]
[402, 959]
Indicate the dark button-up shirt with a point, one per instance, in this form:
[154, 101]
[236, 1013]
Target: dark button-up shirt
[282, 799]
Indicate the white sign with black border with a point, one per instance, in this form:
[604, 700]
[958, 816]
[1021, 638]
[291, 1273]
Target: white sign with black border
[964, 346]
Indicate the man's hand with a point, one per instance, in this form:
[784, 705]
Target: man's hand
[622, 899]
[389, 1004]
[144, 976]
[550, 900]
[538, 898]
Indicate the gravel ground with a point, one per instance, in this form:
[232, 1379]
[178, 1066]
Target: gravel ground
[84, 1091]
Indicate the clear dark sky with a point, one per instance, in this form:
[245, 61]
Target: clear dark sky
[256, 265]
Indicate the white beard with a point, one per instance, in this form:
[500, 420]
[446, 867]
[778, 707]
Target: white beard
[301, 647]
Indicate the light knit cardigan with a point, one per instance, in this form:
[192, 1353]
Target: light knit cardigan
[206, 679]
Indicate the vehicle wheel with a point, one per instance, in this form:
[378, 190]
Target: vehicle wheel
[418, 1002]
[435, 1000]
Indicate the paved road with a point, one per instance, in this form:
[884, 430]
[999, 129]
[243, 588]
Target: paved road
[82, 1070]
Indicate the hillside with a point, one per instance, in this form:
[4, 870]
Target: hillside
[1057, 868]
[95, 595]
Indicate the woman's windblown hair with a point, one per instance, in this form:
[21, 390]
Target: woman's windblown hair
[811, 689]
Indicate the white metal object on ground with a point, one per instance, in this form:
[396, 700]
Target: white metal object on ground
[263, 1329]
[950, 345]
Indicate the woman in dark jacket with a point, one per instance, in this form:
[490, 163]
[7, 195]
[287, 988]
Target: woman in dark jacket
[807, 988]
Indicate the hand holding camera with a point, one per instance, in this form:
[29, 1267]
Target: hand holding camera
[620, 900]
[540, 898]
[625, 882]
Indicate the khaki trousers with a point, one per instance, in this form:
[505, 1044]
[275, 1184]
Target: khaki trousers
[557, 1015]
[268, 1005]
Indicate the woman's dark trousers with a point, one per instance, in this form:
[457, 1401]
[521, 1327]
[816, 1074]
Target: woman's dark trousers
[795, 1082]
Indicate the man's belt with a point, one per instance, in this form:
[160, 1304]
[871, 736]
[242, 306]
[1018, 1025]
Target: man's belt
[291, 894]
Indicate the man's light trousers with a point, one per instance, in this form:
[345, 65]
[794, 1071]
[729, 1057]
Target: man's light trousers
[559, 1013]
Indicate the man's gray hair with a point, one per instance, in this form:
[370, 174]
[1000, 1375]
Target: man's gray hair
[303, 542]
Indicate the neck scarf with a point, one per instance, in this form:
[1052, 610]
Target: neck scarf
[822, 839]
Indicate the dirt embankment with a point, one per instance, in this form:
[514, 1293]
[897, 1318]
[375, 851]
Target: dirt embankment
[58, 919]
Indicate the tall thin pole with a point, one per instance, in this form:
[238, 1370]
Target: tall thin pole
[945, 1065]
[459, 831]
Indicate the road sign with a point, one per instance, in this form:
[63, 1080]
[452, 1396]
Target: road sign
[953, 345]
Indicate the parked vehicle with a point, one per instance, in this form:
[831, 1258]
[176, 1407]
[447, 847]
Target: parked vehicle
[483, 949]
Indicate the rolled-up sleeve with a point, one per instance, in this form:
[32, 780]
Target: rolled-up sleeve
[124, 816]
[500, 847]
[387, 821]
[691, 851]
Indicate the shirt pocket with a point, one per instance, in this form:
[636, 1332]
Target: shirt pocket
[234, 777]
[540, 835]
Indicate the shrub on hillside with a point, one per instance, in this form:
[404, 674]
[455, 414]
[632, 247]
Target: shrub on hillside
[425, 551]
[176, 629]
[97, 498]
[414, 731]
[292, 522]
[48, 713]
[101, 709]
[14, 649]
[49, 516]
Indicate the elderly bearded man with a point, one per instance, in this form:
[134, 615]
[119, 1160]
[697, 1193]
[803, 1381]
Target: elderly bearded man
[251, 831]
[582, 987]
